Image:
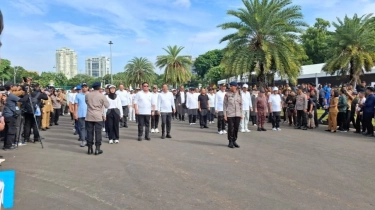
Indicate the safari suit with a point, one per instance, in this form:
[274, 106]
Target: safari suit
[46, 112]
[232, 109]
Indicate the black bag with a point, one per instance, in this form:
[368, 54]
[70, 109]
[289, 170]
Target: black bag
[310, 115]
[30, 107]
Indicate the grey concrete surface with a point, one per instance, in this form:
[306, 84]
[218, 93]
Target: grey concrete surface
[289, 169]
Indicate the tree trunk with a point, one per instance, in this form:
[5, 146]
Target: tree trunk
[261, 76]
[351, 72]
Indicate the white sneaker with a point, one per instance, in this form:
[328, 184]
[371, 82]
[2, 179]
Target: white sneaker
[209, 122]
[248, 131]
[255, 125]
[110, 141]
[220, 132]
[116, 141]
[242, 131]
[278, 129]
[224, 132]
[274, 129]
[213, 122]
[156, 130]
[191, 123]
[152, 130]
[103, 129]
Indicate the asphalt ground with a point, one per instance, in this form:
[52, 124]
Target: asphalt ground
[287, 169]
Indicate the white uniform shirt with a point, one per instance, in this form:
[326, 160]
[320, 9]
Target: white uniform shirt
[219, 101]
[72, 98]
[144, 102]
[192, 100]
[275, 101]
[182, 95]
[124, 97]
[211, 100]
[155, 98]
[246, 101]
[166, 102]
[113, 104]
[133, 97]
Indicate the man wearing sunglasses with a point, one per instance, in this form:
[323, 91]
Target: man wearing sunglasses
[144, 106]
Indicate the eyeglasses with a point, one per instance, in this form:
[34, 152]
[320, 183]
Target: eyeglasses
[145, 85]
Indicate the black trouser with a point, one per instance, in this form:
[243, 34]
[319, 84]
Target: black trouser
[166, 122]
[125, 112]
[113, 121]
[316, 117]
[30, 123]
[144, 121]
[203, 117]
[192, 118]
[341, 121]
[20, 122]
[55, 115]
[233, 126]
[292, 117]
[301, 118]
[175, 115]
[155, 120]
[359, 124]
[284, 112]
[220, 122]
[94, 128]
[367, 122]
[10, 131]
[254, 119]
[276, 119]
[352, 119]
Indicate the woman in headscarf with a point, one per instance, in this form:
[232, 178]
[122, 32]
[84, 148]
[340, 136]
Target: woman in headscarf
[113, 115]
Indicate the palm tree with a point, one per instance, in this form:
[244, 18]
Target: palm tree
[177, 67]
[139, 70]
[265, 39]
[352, 47]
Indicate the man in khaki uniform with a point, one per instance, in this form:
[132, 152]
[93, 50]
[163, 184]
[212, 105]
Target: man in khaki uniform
[46, 111]
[96, 102]
[233, 113]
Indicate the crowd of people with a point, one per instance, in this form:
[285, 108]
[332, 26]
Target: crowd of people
[95, 110]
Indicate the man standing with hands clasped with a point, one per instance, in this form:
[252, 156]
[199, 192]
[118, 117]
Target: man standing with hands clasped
[233, 113]
[166, 107]
[144, 106]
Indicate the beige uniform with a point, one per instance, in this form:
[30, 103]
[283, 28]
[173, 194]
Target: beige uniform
[232, 105]
[46, 112]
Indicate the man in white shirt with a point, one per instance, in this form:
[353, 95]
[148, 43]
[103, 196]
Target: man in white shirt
[144, 108]
[247, 106]
[219, 104]
[166, 107]
[125, 101]
[181, 103]
[275, 106]
[211, 97]
[155, 118]
[131, 108]
[192, 105]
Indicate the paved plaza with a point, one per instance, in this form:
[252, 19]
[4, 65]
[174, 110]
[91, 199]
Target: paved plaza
[290, 169]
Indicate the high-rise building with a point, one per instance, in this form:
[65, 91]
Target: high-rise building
[66, 62]
[98, 66]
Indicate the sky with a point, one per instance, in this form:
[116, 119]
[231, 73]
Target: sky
[35, 29]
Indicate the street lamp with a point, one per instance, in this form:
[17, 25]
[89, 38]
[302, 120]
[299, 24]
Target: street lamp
[110, 50]
[14, 75]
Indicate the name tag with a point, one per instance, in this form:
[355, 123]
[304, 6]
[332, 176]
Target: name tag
[17, 108]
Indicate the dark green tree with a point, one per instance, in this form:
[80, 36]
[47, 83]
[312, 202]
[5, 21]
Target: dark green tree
[208, 60]
[215, 74]
[315, 41]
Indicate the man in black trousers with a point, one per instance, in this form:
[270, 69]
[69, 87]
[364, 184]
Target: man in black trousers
[203, 107]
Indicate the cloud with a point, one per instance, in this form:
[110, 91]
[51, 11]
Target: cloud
[37, 7]
[142, 41]
[183, 3]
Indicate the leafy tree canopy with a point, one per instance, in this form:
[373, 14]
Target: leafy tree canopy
[208, 60]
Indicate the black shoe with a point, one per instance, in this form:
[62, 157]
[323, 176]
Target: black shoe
[50, 124]
[125, 126]
[75, 133]
[147, 138]
[90, 150]
[35, 140]
[206, 126]
[169, 136]
[263, 129]
[328, 130]
[9, 148]
[139, 138]
[79, 139]
[162, 136]
[56, 124]
[304, 128]
[201, 127]
[43, 129]
[230, 145]
[47, 127]
[235, 144]
[98, 151]
[259, 129]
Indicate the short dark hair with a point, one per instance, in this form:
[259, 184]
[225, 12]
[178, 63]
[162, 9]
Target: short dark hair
[335, 93]
[144, 83]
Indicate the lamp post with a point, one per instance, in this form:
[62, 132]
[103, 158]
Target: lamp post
[110, 50]
[14, 75]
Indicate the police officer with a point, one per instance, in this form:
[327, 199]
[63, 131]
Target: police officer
[232, 110]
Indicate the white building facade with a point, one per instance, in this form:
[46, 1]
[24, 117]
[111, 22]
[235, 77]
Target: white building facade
[66, 62]
[98, 66]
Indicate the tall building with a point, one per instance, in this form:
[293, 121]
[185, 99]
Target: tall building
[66, 62]
[98, 66]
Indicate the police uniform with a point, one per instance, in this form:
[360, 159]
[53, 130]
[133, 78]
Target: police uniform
[232, 110]
[46, 111]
